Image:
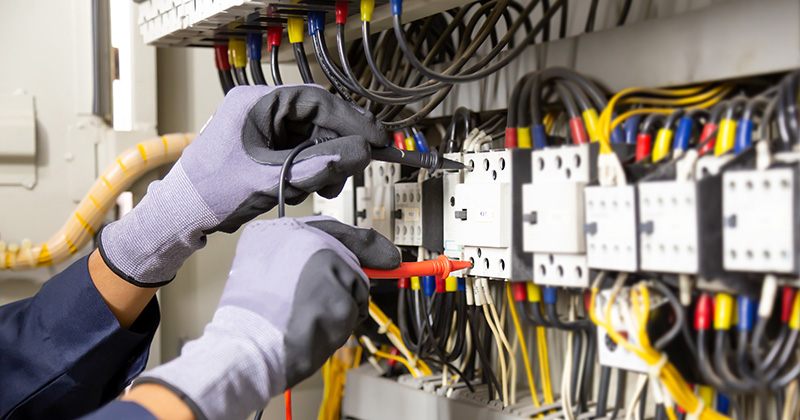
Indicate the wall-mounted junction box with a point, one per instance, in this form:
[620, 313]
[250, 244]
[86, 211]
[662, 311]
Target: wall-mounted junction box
[760, 220]
[341, 207]
[483, 211]
[375, 201]
[611, 228]
[680, 229]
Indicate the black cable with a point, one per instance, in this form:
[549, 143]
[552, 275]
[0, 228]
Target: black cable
[302, 62]
[602, 392]
[661, 413]
[577, 353]
[623, 14]
[733, 382]
[546, 28]
[677, 309]
[592, 16]
[225, 80]
[562, 28]
[777, 345]
[588, 368]
[618, 399]
[241, 76]
[274, 66]
[327, 70]
[258, 415]
[550, 309]
[284, 174]
[643, 400]
[485, 363]
[257, 72]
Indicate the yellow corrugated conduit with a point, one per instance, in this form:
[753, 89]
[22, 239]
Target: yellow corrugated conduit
[86, 220]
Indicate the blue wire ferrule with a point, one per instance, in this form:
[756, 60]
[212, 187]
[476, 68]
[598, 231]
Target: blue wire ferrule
[617, 135]
[428, 285]
[550, 294]
[316, 22]
[254, 46]
[747, 313]
[631, 129]
[683, 134]
[723, 404]
[462, 284]
[422, 143]
[744, 136]
[539, 136]
[397, 7]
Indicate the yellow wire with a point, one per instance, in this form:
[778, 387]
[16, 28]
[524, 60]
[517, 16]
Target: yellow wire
[671, 413]
[397, 359]
[323, 407]
[671, 378]
[673, 102]
[522, 345]
[393, 333]
[544, 365]
[549, 120]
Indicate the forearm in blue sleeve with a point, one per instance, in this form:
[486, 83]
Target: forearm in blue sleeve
[62, 352]
[121, 410]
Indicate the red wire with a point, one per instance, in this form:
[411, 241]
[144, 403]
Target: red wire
[288, 403]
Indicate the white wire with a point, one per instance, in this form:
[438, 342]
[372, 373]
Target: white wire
[566, 379]
[634, 403]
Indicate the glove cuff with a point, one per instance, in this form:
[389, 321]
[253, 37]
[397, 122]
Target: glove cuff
[149, 245]
[229, 372]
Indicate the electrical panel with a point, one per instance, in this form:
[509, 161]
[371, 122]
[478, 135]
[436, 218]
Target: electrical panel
[485, 207]
[760, 220]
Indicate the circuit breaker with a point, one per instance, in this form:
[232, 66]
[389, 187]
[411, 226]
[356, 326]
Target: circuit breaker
[407, 214]
[452, 247]
[375, 200]
[611, 228]
[760, 220]
[680, 229]
[485, 208]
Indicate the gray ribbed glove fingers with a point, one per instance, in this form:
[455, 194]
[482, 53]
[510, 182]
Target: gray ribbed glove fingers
[230, 174]
[294, 295]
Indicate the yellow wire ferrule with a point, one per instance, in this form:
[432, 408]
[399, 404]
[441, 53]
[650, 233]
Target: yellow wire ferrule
[524, 138]
[723, 311]
[706, 393]
[451, 284]
[534, 292]
[662, 144]
[794, 321]
[590, 120]
[410, 144]
[238, 49]
[725, 136]
[415, 283]
[367, 7]
[294, 26]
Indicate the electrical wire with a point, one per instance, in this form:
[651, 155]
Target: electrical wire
[523, 346]
[302, 62]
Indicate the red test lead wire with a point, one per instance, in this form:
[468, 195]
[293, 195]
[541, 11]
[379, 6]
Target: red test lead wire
[441, 266]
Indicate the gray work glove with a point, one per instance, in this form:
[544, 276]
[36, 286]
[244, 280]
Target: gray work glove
[230, 174]
[294, 295]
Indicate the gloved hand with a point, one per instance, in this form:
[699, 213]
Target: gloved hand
[230, 174]
[294, 295]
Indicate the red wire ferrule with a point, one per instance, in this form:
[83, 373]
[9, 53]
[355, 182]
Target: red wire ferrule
[578, 130]
[511, 137]
[708, 129]
[341, 12]
[787, 302]
[274, 34]
[221, 57]
[399, 140]
[404, 283]
[441, 285]
[703, 312]
[643, 145]
[520, 292]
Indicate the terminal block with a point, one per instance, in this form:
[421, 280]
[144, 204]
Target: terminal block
[483, 210]
[760, 220]
[374, 201]
[609, 352]
[680, 229]
[611, 228]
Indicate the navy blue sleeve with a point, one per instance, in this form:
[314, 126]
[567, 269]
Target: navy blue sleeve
[121, 410]
[62, 352]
